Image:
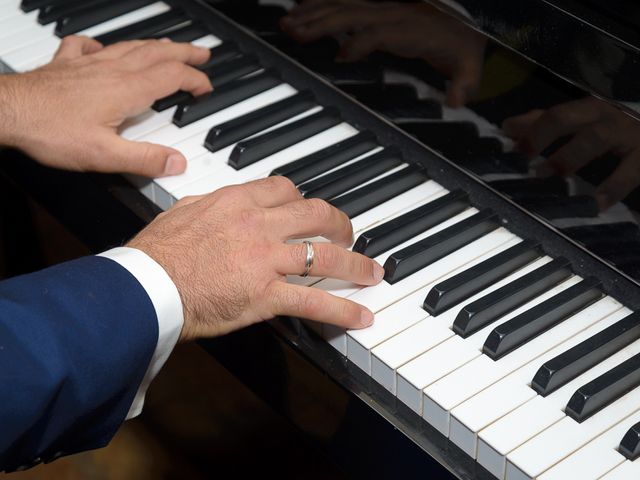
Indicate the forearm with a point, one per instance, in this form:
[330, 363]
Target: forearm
[76, 341]
[9, 105]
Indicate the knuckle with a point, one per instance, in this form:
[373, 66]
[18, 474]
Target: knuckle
[319, 209]
[252, 219]
[311, 303]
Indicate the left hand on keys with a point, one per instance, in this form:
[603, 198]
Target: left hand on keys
[66, 114]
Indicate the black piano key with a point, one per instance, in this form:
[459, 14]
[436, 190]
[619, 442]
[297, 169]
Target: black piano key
[465, 284]
[415, 257]
[369, 196]
[630, 444]
[568, 365]
[529, 187]
[516, 332]
[577, 206]
[350, 176]
[219, 72]
[187, 33]
[400, 229]
[223, 97]
[252, 150]
[30, 5]
[56, 10]
[604, 390]
[235, 130]
[498, 303]
[220, 54]
[144, 28]
[90, 15]
[312, 165]
[235, 68]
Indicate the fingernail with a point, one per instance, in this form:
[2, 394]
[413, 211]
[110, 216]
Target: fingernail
[366, 318]
[175, 164]
[378, 272]
[165, 40]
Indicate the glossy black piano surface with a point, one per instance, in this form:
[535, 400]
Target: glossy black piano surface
[577, 59]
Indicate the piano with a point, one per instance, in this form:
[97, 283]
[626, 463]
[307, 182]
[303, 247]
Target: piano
[507, 336]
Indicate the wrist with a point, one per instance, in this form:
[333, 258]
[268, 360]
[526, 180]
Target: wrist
[9, 108]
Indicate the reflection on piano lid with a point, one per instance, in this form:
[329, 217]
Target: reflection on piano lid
[480, 300]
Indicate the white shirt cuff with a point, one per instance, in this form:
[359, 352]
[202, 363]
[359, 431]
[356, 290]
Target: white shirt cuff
[167, 304]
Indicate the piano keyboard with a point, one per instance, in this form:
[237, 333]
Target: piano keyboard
[529, 368]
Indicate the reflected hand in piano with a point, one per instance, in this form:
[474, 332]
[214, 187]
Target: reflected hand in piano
[86, 338]
[410, 30]
[587, 129]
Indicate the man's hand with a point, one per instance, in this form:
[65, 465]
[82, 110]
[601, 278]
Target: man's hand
[66, 114]
[411, 30]
[227, 255]
[596, 128]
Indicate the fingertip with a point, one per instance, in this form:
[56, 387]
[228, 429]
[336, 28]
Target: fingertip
[604, 200]
[175, 164]
[366, 318]
[378, 272]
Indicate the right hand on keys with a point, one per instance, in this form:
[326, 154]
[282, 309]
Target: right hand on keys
[66, 114]
[227, 254]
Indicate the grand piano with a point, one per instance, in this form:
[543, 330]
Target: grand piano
[506, 343]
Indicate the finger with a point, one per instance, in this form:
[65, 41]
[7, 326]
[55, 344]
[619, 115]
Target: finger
[340, 20]
[329, 261]
[361, 44]
[310, 218]
[315, 304]
[557, 122]
[75, 46]
[465, 81]
[587, 145]
[141, 158]
[155, 52]
[272, 191]
[188, 200]
[517, 126]
[118, 50]
[621, 182]
[166, 78]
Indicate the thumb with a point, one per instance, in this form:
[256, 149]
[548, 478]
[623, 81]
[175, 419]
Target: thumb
[146, 159]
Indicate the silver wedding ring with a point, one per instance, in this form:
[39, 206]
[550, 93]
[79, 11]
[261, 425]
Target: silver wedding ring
[309, 261]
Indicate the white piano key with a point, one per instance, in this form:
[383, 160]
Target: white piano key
[15, 23]
[563, 438]
[336, 336]
[208, 41]
[9, 9]
[403, 203]
[229, 176]
[594, 459]
[27, 37]
[126, 19]
[33, 55]
[449, 392]
[171, 135]
[41, 52]
[497, 439]
[390, 355]
[201, 162]
[416, 375]
[136, 127]
[390, 322]
[625, 471]
[384, 294]
[473, 420]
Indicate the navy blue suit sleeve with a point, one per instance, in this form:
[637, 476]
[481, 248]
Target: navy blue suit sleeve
[75, 343]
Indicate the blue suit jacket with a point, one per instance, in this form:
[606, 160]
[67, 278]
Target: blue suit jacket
[75, 342]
